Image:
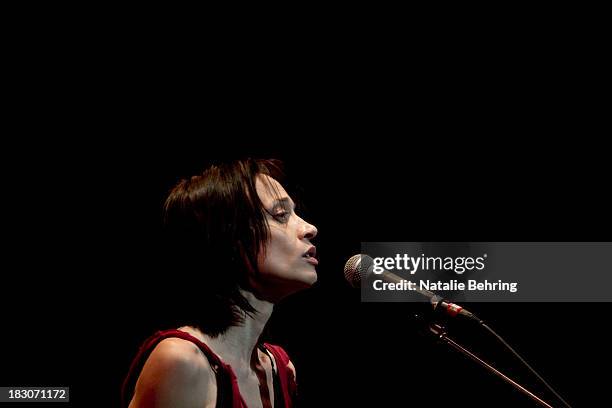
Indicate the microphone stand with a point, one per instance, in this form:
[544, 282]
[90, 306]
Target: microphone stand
[440, 332]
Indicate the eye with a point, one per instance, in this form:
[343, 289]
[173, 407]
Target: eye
[282, 215]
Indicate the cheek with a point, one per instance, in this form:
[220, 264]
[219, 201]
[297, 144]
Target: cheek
[279, 255]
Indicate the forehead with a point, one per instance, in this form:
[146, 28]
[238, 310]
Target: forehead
[269, 189]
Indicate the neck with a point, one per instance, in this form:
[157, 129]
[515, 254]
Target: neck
[238, 345]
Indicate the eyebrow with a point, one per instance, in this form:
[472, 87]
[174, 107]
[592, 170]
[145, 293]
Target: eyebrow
[282, 202]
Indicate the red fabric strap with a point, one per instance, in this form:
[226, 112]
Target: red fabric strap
[228, 395]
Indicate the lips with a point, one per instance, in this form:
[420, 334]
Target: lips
[310, 255]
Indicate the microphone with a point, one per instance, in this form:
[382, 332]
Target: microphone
[359, 268]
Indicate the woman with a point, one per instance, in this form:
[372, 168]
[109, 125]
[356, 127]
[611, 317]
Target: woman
[237, 231]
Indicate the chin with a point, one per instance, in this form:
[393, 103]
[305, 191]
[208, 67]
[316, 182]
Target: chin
[306, 279]
[310, 275]
[312, 278]
[298, 284]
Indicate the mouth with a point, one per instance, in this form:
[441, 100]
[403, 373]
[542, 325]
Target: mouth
[310, 255]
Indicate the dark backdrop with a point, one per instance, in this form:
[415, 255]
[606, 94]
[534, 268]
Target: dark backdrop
[81, 288]
[438, 135]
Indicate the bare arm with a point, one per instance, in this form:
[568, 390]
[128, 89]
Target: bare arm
[176, 375]
[291, 369]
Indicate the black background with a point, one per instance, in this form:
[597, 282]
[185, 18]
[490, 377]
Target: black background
[87, 261]
[502, 148]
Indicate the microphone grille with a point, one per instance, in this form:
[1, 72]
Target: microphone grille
[356, 269]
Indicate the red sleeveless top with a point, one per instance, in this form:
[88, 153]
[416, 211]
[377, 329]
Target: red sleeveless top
[228, 394]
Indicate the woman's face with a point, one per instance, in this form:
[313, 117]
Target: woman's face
[288, 262]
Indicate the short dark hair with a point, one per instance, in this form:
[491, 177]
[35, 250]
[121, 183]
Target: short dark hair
[217, 226]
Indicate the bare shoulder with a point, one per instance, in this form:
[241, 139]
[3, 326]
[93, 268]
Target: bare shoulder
[176, 374]
[291, 369]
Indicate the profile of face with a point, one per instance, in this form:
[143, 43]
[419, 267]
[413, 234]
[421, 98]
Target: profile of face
[288, 262]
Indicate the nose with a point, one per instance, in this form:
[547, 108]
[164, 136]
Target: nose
[309, 231]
